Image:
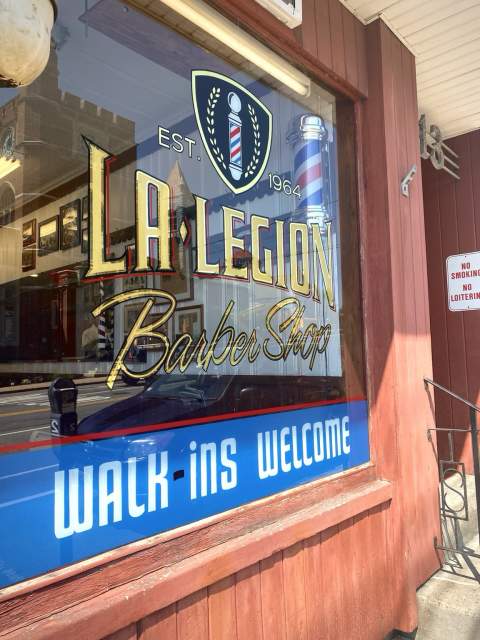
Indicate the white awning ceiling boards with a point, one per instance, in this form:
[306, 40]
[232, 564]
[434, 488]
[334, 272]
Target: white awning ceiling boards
[444, 35]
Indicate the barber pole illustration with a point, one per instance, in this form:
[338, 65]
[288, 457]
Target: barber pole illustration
[235, 132]
[305, 136]
[101, 342]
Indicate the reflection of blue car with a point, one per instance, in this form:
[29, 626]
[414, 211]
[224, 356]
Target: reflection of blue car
[176, 397]
[138, 446]
[168, 398]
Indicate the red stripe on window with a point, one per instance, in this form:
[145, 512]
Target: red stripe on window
[172, 425]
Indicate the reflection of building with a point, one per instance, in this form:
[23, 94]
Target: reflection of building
[43, 165]
[44, 126]
[7, 203]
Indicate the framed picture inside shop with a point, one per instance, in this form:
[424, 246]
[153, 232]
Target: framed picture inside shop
[130, 314]
[188, 320]
[70, 224]
[84, 240]
[48, 236]
[133, 282]
[29, 250]
[29, 257]
[29, 232]
[85, 208]
[153, 344]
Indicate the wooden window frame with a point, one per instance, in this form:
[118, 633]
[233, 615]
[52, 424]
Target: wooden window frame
[287, 516]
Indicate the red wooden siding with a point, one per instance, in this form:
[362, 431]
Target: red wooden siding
[285, 596]
[329, 34]
[332, 35]
[398, 328]
[452, 224]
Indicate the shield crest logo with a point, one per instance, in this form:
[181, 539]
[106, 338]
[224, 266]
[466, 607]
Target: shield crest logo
[236, 128]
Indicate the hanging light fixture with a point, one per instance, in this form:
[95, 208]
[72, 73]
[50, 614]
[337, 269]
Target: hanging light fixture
[25, 28]
[203, 16]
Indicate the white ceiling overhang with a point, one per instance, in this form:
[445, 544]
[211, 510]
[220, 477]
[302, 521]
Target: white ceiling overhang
[444, 36]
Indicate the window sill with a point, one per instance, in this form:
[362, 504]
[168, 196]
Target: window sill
[158, 587]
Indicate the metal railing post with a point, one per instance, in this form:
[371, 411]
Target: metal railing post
[473, 431]
[476, 460]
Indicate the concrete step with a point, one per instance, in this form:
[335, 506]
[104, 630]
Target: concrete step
[449, 602]
[449, 608]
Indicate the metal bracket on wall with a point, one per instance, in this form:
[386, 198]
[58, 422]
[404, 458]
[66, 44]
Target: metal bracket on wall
[408, 178]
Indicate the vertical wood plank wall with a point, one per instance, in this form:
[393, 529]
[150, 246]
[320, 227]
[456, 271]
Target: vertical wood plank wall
[330, 36]
[396, 313]
[350, 312]
[325, 587]
[452, 224]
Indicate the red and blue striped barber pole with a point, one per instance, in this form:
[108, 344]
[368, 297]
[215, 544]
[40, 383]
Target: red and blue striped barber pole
[235, 136]
[235, 144]
[305, 136]
[101, 323]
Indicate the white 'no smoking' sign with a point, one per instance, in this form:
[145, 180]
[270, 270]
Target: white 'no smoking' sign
[463, 281]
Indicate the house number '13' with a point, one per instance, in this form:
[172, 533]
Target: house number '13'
[435, 149]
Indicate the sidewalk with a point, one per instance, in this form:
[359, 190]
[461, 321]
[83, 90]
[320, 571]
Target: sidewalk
[449, 602]
[44, 385]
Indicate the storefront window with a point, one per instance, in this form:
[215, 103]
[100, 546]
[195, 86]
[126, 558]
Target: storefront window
[178, 229]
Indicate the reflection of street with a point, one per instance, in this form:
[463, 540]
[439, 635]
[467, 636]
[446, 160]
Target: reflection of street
[24, 416]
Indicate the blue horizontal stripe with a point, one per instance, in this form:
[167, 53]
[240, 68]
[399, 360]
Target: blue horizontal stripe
[315, 198]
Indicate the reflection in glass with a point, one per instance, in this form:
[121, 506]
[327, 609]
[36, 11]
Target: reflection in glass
[282, 315]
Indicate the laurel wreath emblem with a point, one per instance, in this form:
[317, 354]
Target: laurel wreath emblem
[212, 101]
[256, 151]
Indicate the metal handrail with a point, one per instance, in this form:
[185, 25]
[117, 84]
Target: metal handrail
[454, 395]
[475, 451]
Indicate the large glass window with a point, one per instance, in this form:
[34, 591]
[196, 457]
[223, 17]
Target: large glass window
[178, 236]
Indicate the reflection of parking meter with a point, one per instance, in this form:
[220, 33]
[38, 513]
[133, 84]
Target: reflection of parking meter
[62, 395]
